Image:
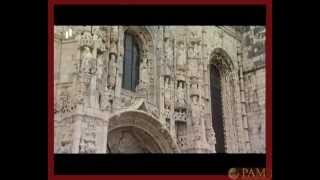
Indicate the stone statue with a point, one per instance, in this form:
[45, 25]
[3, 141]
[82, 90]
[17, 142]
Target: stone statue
[82, 146]
[112, 72]
[100, 66]
[196, 111]
[180, 96]
[167, 97]
[181, 56]
[197, 50]
[191, 52]
[86, 57]
[101, 77]
[144, 76]
[168, 52]
[114, 39]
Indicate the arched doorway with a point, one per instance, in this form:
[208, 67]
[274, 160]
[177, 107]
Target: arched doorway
[223, 105]
[216, 108]
[131, 139]
[136, 131]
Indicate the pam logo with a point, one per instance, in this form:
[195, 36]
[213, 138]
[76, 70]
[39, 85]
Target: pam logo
[249, 173]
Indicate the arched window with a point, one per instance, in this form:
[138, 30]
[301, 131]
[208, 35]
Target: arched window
[216, 105]
[131, 63]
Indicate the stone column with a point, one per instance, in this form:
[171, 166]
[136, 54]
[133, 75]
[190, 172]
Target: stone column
[102, 132]
[76, 133]
[161, 107]
[105, 125]
[243, 103]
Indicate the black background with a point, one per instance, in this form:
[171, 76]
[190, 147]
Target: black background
[160, 15]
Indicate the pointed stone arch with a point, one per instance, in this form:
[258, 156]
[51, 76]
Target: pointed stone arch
[231, 123]
[220, 58]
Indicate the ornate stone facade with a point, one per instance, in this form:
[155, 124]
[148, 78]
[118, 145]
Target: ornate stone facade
[171, 110]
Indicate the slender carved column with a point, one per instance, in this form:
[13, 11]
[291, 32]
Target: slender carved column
[243, 102]
[76, 133]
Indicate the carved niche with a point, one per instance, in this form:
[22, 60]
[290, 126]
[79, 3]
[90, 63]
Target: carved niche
[112, 71]
[180, 96]
[181, 56]
[144, 73]
[168, 52]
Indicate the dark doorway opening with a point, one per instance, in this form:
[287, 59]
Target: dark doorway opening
[216, 108]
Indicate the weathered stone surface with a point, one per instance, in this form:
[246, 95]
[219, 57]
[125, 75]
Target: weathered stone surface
[170, 110]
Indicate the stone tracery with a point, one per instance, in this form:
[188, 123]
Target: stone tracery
[174, 85]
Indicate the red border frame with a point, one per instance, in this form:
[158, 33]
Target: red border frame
[51, 4]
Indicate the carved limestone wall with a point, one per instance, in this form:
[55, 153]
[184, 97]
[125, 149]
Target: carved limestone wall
[170, 110]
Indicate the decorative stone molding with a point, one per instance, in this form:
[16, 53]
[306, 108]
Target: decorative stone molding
[171, 105]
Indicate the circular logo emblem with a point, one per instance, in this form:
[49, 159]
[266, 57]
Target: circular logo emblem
[233, 173]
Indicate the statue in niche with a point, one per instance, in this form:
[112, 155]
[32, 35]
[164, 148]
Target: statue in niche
[167, 97]
[180, 96]
[101, 76]
[144, 77]
[114, 39]
[196, 111]
[181, 56]
[197, 48]
[86, 57]
[100, 65]
[112, 71]
[191, 52]
[168, 52]
[82, 146]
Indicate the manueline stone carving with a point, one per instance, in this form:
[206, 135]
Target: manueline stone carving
[174, 82]
[167, 94]
[181, 101]
[144, 75]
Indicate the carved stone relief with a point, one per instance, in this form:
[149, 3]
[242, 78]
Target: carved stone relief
[174, 86]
